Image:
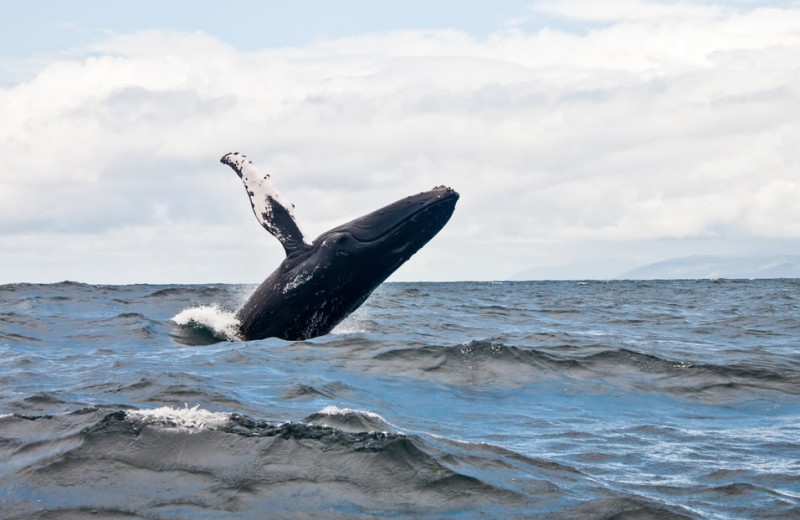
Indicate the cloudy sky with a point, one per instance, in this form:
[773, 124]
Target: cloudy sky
[586, 138]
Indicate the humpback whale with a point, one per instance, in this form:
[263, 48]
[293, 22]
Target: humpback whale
[321, 282]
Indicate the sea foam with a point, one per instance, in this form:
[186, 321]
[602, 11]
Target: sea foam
[221, 322]
[191, 419]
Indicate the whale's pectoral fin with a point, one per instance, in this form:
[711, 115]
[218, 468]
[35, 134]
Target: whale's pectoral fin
[274, 212]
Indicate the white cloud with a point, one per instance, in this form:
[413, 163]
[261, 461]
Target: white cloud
[628, 10]
[670, 121]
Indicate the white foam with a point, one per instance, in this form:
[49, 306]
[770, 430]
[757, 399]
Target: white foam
[221, 321]
[335, 410]
[189, 419]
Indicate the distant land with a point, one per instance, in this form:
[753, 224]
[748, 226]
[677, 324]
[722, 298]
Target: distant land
[719, 267]
[689, 267]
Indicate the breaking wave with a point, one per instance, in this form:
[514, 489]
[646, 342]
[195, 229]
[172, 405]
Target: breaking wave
[206, 324]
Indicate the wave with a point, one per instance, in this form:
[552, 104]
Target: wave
[328, 391]
[482, 361]
[196, 419]
[186, 419]
[10, 336]
[345, 419]
[192, 462]
[203, 291]
[198, 462]
[206, 324]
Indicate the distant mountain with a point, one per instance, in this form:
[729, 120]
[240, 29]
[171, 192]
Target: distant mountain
[719, 267]
[596, 269]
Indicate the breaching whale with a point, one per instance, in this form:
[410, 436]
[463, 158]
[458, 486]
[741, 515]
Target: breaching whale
[320, 283]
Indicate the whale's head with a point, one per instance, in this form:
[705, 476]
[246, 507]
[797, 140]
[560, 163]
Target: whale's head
[387, 237]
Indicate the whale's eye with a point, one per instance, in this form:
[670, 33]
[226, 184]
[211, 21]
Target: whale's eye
[340, 243]
[336, 240]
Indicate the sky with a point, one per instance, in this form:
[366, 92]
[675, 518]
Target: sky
[585, 138]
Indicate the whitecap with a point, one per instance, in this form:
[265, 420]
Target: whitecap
[223, 323]
[335, 410]
[189, 419]
[347, 419]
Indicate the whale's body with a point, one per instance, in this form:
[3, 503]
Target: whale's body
[320, 283]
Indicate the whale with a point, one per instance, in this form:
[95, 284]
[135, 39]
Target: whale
[321, 281]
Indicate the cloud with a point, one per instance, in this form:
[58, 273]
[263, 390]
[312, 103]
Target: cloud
[614, 11]
[670, 121]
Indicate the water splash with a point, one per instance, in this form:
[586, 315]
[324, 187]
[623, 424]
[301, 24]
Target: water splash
[189, 419]
[219, 322]
[357, 321]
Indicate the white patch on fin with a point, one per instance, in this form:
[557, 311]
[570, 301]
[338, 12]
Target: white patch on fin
[272, 210]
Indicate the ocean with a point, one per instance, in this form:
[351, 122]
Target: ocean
[567, 399]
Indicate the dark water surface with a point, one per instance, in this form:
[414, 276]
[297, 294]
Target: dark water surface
[665, 399]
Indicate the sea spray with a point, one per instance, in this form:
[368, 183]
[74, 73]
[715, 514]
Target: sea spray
[222, 323]
[189, 419]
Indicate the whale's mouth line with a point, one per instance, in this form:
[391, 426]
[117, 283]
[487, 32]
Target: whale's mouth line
[425, 207]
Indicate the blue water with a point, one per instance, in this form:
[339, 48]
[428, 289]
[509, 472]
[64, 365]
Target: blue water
[624, 399]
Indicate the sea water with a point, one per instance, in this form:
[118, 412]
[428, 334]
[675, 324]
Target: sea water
[621, 399]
